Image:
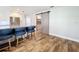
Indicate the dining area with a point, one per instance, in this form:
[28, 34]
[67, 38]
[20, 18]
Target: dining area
[20, 24]
[15, 26]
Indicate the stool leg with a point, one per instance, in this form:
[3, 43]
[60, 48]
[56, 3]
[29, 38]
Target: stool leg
[34, 36]
[17, 42]
[23, 38]
[27, 36]
[9, 45]
[31, 35]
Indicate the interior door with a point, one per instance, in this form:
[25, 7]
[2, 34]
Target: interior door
[45, 22]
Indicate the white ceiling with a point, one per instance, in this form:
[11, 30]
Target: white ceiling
[31, 9]
[6, 11]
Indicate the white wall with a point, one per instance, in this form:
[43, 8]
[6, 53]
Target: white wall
[30, 12]
[64, 21]
[5, 13]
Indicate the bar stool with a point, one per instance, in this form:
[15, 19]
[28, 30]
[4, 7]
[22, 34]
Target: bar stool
[6, 36]
[30, 30]
[19, 33]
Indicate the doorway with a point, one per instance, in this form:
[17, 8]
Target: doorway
[42, 23]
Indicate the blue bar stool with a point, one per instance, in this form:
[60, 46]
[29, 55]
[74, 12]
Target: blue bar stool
[30, 30]
[6, 36]
[19, 33]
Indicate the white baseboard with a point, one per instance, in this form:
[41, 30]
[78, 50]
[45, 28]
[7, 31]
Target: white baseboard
[77, 40]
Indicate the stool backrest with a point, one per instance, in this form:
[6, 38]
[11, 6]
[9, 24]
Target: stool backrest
[30, 27]
[6, 32]
[19, 29]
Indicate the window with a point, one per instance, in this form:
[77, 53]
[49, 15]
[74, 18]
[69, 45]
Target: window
[14, 20]
[4, 22]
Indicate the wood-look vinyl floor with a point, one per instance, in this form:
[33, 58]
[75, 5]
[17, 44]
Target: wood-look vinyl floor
[47, 43]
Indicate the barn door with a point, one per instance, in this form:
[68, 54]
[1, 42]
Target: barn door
[45, 22]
